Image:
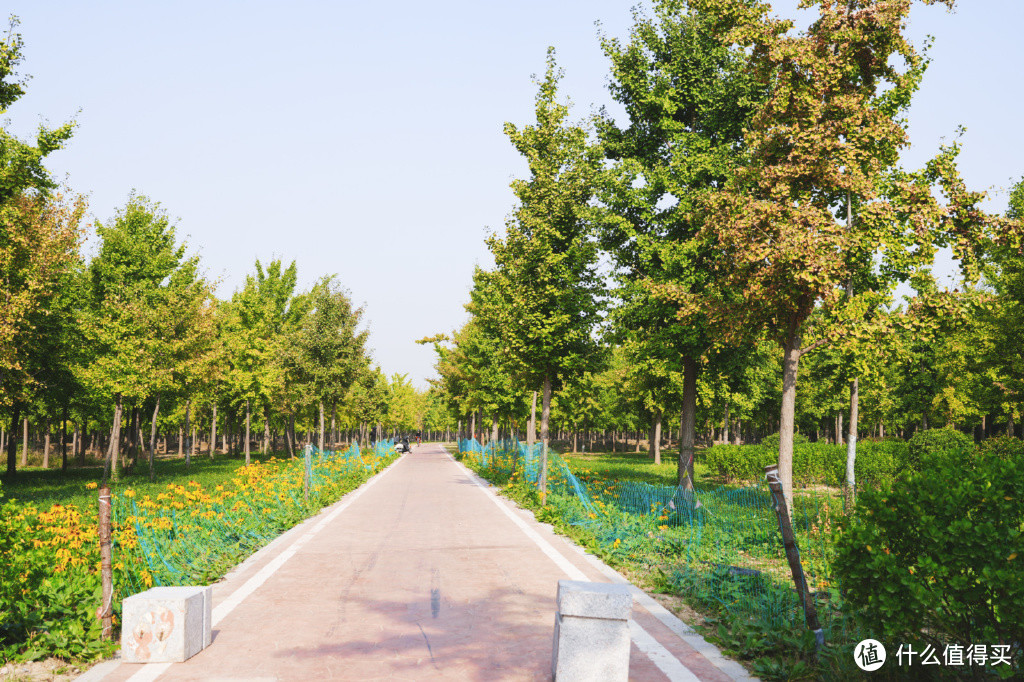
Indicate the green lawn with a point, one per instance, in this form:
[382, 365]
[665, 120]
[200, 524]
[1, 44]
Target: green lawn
[637, 466]
[46, 487]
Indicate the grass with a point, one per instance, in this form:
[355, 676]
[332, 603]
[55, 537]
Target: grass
[638, 466]
[45, 487]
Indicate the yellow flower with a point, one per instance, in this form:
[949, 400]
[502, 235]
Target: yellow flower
[662, 527]
[92, 485]
[129, 493]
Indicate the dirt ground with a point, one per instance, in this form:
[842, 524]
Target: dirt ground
[50, 670]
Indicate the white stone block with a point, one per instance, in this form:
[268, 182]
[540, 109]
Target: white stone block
[591, 632]
[166, 624]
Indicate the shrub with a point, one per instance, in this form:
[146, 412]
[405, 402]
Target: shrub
[739, 462]
[1006, 447]
[934, 444]
[812, 462]
[772, 442]
[939, 558]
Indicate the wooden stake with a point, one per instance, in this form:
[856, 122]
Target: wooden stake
[106, 612]
[793, 554]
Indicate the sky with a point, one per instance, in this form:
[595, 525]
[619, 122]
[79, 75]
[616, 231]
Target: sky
[365, 139]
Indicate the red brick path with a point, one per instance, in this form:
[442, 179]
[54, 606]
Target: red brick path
[421, 577]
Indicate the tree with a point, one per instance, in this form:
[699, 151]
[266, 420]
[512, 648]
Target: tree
[329, 351]
[39, 237]
[540, 300]
[261, 319]
[821, 142]
[133, 281]
[687, 98]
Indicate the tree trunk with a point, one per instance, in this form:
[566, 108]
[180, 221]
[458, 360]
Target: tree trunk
[472, 425]
[790, 364]
[688, 423]
[545, 417]
[725, 426]
[152, 440]
[333, 443]
[288, 439]
[494, 429]
[64, 440]
[320, 436]
[266, 431]
[248, 414]
[24, 442]
[188, 435]
[850, 492]
[46, 445]
[654, 446]
[213, 430]
[114, 451]
[531, 431]
[12, 442]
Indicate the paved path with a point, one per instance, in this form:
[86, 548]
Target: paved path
[422, 574]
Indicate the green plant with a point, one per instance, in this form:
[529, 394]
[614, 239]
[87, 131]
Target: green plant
[772, 441]
[939, 558]
[931, 443]
[1006, 447]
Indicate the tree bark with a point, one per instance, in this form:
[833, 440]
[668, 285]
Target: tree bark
[472, 425]
[24, 442]
[114, 452]
[152, 440]
[655, 444]
[790, 364]
[531, 432]
[213, 430]
[12, 442]
[688, 423]
[267, 447]
[247, 433]
[188, 435]
[725, 425]
[850, 492]
[545, 417]
[320, 436]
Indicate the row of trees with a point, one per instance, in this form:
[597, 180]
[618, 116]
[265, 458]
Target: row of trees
[121, 348]
[754, 217]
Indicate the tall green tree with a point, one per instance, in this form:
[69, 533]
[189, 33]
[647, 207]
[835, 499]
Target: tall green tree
[823, 141]
[541, 298]
[260, 321]
[329, 349]
[39, 237]
[130, 282]
[687, 98]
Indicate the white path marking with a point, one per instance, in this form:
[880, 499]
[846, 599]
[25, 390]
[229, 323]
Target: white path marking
[151, 671]
[652, 648]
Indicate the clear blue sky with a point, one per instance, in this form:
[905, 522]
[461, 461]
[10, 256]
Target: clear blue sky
[364, 139]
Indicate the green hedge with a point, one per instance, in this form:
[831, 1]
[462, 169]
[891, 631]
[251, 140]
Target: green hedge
[812, 462]
[939, 558]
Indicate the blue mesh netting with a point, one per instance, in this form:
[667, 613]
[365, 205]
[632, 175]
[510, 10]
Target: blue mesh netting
[190, 535]
[721, 544]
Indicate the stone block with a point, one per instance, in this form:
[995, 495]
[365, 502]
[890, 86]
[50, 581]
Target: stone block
[591, 632]
[166, 624]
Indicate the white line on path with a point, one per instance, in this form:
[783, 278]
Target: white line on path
[652, 648]
[151, 671]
